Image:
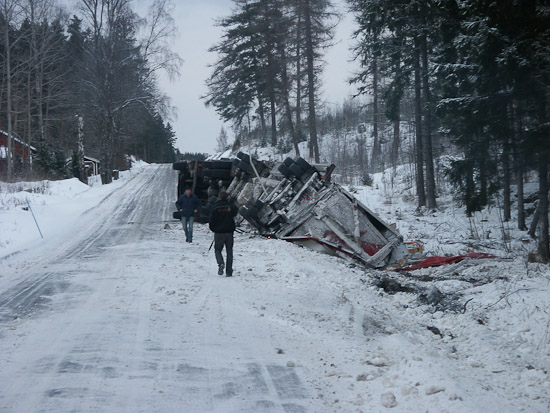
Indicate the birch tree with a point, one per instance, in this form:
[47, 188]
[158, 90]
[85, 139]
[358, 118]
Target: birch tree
[12, 13]
[120, 68]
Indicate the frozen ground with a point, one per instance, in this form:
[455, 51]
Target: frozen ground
[113, 312]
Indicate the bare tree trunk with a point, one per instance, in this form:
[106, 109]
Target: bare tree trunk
[310, 56]
[544, 239]
[376, 160]
[518, 166]
[271, 91]
[534, 223]
[396, 141]
[361, 155]
[80, 148]
[427, 134]
[299, 74]
[261, 112]
[521, 197]
[506, 182]
[273, 119]
[28, 133]
[286, 99]
[418, 121]
[7, 12]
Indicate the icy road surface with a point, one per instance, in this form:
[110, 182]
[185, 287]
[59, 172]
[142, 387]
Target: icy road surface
[119, 314]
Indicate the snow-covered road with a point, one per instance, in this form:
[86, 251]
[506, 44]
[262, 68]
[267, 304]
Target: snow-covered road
[119, 314]
[124, 316]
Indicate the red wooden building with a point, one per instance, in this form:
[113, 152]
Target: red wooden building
[19, 149]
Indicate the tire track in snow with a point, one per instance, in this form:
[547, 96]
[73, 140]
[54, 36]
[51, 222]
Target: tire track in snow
[157, 329]
[97, 233]
[75, 353]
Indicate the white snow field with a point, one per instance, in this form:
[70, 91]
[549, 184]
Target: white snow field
[113, 312]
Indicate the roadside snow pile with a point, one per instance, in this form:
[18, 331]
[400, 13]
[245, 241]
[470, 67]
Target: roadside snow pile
[55, 204]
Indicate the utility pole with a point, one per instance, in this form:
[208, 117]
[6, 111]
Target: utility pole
[80, 149]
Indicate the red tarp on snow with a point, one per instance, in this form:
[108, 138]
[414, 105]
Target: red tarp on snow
[437, 261]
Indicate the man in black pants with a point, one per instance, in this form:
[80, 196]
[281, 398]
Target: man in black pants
[223, 225]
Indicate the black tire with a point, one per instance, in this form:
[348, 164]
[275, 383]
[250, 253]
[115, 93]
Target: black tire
[283, 169]
[259, 205]
[296, 170]
[253, 213]
[302, 163]
[243, 211]
[243, 157]
[244, 166]
[180, 166]
[308, 173]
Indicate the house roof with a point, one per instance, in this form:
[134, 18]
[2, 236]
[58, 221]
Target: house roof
[16, 139]
[89, 158]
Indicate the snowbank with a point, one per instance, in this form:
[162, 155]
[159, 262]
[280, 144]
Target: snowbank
[56, 205]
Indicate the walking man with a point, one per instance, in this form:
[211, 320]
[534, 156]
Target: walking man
[188, 204]
[222, 224]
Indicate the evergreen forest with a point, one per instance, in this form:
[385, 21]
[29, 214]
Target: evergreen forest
[84, 85]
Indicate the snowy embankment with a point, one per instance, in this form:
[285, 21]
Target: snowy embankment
[57, 206]
[143, 323]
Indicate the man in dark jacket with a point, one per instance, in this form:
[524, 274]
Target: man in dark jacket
[188, 204]
[221, 222]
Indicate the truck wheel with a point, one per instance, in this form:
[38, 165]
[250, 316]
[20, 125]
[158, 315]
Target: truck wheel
[243, 157]
[244, 166]
[243, 211]
[253, 213]
[285, 171]
[296, 170]
[308, 173]
[259, 205]
[302, 163]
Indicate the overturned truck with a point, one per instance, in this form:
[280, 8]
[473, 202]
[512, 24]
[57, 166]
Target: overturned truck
[297, 202]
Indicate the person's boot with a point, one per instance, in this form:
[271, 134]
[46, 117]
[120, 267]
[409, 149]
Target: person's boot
[220, 269]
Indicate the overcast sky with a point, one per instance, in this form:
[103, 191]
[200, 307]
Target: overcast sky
[198, 127]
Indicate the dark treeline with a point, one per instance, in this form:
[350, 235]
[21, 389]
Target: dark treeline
[83, 84]
[464, 78]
